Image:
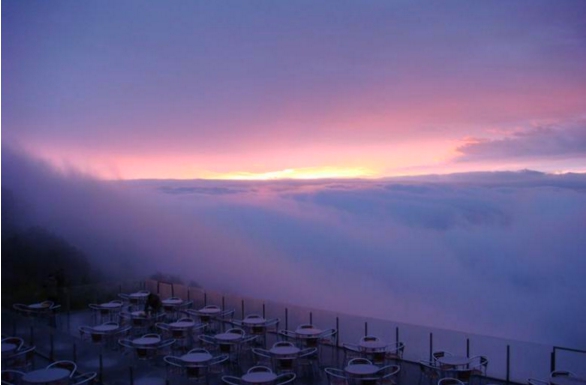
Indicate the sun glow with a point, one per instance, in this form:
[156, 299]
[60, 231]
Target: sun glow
[298, 173]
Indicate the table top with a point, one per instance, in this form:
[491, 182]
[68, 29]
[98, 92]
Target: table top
[138, 313]
[372, 345]
[138, 295]
[454, 360]
[111, 305]
[46, 375]
[8, 347]
[196, 357]
[567, 380]
[254, 321]
[362, 369]
[182, 324]
[308, 332]
[172, 301]
[146, 341]
[210, 310]
[259, 377]
[228, 336]
[105, 328]
[39, 306]
[285, 350]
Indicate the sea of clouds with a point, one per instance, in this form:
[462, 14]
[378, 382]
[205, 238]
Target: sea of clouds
[492, 253]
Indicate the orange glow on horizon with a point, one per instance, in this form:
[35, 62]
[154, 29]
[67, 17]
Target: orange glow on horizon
[297, 173]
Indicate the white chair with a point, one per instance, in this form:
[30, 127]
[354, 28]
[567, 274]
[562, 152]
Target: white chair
[450, 381]
[429, 370]
[387, 373]
[336, 376]
[11, 377]
[83, 378]
[17, 341]
[534, 381]
[562, 373]
[479, 365]
[359, 361]
[64, 364]
[395, 351]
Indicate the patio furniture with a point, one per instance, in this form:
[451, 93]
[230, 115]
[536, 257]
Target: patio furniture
[56, 376]
[107, 311]
[83, 378]
[429, 370]
[449, 381]
[197, 365]
[260, 375]
[479, 365]
[63, 364]
[11, 377]
[336, 376]
[22, 359]
[148, 347]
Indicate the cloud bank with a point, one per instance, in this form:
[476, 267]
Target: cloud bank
[491, 253]
[566, 141]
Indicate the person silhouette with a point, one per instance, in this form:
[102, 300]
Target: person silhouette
[153, 304]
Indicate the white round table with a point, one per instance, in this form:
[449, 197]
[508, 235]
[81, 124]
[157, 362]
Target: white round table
[105, 328]
[182, 325]
[285, 350]
[39, 306]
[454, 360]
[44, 376]
[372, 346]
[254, 321]
[144, 341]
[308, 332]
[228, 336]
[7, 347]
[361, 369]
[209, 310]
[259, 377]
[172, 302]
[196, 358]
[138, 295]
[110, 305]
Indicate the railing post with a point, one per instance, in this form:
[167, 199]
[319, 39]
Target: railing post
[51, 347]
[430, 346]
[286, 319]
[74, 353]
[397, 335]
[205, 298]
[172, 290]
[338, 332]
[366, 328]
[223, 303]
[101, 369]
[32, 336]
[131, 375]
[264, 312]
[468, 347]
[242, 309]
[508, 363]
[552, 360]
[311, 317]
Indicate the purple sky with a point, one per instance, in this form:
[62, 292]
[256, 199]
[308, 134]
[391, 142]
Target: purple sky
[149, 89]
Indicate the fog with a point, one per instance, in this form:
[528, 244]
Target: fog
[500, 254]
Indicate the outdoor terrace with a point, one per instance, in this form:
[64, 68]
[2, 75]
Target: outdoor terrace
[509, 361]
